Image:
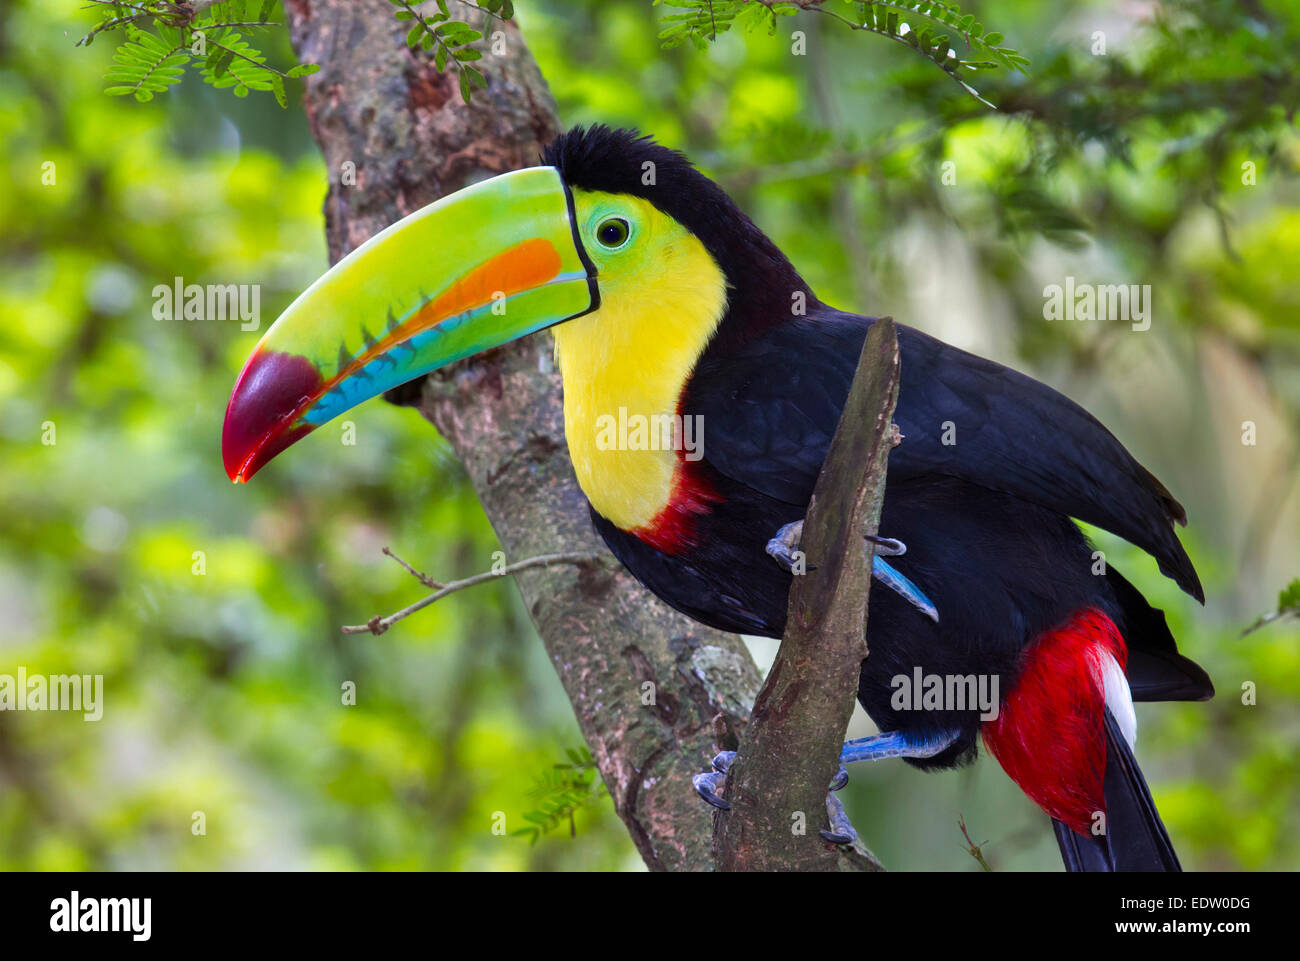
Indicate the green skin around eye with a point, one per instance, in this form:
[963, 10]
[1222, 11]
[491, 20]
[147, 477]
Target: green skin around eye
[600, 212]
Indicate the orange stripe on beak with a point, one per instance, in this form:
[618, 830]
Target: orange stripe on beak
[521, 267]
[524, 266]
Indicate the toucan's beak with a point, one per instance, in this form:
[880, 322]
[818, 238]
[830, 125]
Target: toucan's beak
[477, 269]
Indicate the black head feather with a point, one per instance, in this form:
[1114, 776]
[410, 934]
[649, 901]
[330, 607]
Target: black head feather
[762, 280]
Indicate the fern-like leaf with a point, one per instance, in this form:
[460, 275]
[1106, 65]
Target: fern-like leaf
[147, 64]
[560, 792]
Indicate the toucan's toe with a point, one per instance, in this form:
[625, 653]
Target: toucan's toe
[841, 831]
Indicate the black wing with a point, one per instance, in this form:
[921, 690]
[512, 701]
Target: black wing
[771, 405]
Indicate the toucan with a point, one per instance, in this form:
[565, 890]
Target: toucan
[669, 306]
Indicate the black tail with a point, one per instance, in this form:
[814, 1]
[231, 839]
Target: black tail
[1135, 839]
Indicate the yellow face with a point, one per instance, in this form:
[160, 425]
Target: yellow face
[661, 298]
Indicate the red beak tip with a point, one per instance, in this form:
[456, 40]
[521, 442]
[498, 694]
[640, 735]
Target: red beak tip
[270, 388]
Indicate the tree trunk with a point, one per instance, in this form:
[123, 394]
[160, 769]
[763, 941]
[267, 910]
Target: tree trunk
[654, 692]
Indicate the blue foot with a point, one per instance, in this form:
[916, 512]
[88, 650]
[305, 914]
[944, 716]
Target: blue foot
[841, 831]
[708, 785]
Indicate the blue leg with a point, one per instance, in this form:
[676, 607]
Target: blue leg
[896, 744]
[874, 748]
[888, 575]
[783, 548]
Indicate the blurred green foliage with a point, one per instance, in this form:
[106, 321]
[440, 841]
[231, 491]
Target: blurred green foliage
[1169, 158]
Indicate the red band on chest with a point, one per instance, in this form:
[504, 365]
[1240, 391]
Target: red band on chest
[672, 530]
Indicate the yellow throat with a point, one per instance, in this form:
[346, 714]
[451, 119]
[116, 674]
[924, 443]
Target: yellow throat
[660, 304]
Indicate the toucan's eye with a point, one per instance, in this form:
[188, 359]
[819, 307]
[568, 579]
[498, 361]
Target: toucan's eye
[613, 232]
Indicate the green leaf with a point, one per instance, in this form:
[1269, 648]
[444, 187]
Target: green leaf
[222, 62]
[1288, 599]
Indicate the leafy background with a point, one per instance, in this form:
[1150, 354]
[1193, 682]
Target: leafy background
[223, 689]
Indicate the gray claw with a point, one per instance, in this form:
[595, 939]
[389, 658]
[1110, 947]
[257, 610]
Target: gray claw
[707, 785]
[887, 546]
[783, 547]
[840, 779]
[841, 831]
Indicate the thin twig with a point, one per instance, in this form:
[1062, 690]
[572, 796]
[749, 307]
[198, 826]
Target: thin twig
[238, 23]
[164, 11]
[377, 624]
[255, 63]
[480, 9]
[1265, 620]
[423, 578]
[973, 849]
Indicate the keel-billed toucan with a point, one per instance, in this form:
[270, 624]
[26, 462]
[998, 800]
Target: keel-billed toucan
[666, 300]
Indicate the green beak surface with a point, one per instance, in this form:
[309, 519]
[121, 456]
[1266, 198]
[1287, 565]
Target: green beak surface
[484, 266]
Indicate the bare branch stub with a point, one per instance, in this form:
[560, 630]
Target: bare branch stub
[790, 750]
[379, 624]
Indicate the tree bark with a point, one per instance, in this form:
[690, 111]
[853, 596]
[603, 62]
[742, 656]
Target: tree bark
[655, 693]
[790, 751]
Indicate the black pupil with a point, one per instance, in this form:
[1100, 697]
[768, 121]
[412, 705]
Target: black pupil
[613, 232]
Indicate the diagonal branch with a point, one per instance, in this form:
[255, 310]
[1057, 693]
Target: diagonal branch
[790, 750]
